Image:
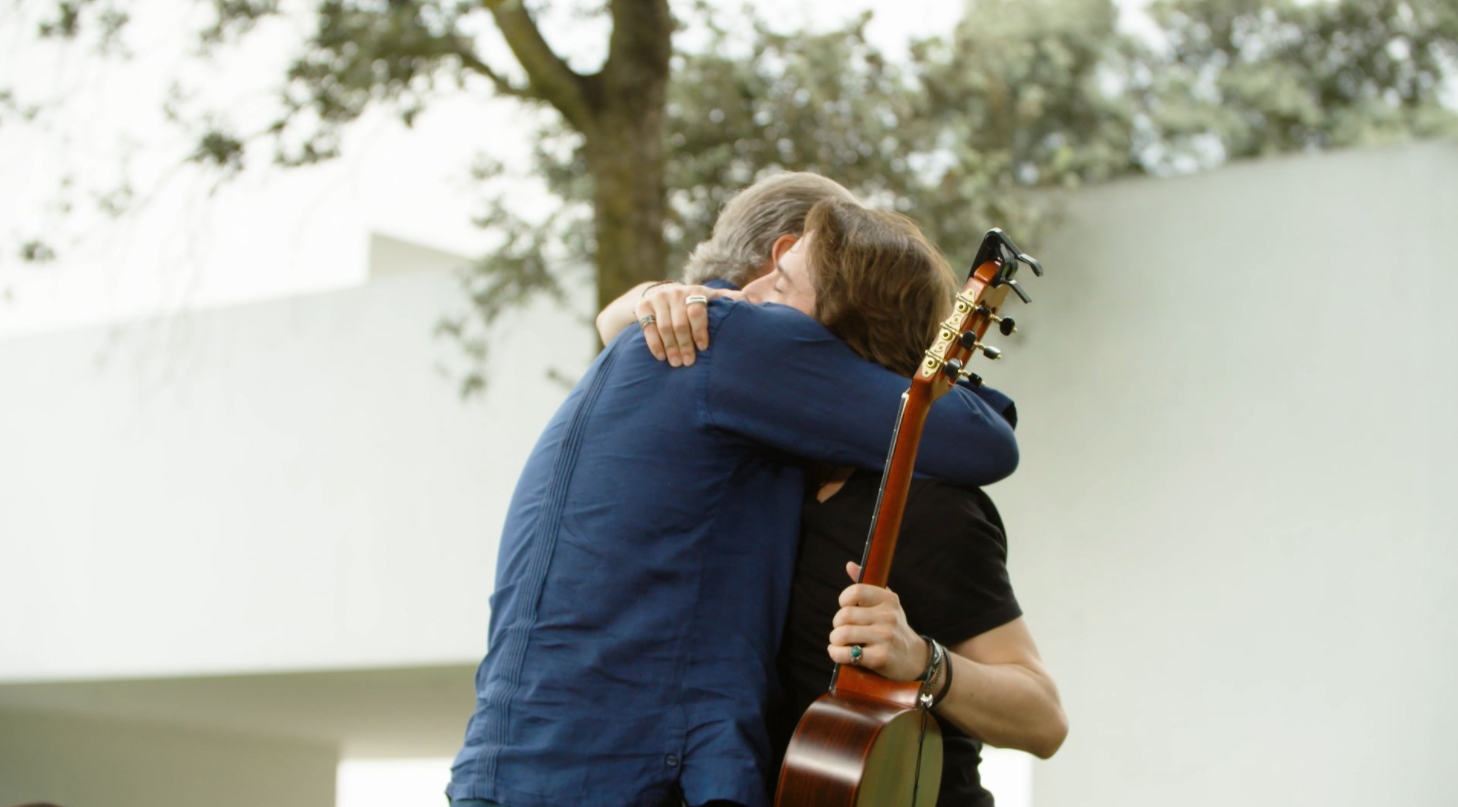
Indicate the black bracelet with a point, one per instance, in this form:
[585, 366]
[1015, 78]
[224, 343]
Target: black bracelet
[936, 660]
[946, 687]
[931, 658]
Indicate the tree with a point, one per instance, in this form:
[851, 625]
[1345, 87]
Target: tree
[1256, 78]
[1025, 98]
[979, 127]
[365, 52]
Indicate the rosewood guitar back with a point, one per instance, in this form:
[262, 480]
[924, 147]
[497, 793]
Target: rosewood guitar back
[865, 752]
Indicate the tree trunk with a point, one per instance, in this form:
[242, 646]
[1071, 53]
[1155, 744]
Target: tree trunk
[625, 148]
[626, 161]
[620, 112]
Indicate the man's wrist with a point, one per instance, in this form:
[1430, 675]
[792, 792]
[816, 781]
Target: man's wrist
[654, 285]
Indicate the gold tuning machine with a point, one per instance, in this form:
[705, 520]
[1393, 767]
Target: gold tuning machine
[1004, 324]
[969, 341]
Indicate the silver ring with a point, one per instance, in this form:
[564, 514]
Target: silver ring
[695, 298]
[646, 321]
[856, 655]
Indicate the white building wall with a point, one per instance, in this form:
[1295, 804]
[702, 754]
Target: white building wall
[1233, 529]
[289, 485]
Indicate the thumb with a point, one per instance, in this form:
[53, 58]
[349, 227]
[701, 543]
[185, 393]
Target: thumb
[854, 570]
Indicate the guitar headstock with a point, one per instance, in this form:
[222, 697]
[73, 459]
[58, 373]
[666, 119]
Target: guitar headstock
[977, 308]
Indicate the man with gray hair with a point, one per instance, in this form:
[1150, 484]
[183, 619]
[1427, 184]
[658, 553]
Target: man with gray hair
[751, 233]
[753, 220]
[646, 558]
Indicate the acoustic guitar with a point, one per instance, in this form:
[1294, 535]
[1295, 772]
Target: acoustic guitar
[871, 741]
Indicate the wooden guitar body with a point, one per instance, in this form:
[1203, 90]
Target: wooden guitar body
[864, 751]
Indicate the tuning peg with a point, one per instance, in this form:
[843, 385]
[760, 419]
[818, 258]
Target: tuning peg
[991, 352]
[1005, 324]
[952, 369]
[969, 340]
[971, 378]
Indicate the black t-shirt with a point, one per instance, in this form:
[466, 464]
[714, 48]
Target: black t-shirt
[950, 571]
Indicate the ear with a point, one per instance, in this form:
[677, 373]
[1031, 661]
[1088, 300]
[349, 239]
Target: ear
[778, 248]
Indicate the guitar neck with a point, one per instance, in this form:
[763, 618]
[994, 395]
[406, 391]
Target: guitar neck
[885, 530]
[895, 484]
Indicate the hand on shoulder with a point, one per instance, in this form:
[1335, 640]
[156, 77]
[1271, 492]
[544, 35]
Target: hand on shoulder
[675, 320]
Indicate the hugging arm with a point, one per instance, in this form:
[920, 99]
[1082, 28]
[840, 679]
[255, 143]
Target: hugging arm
[678, 330]
[778, 378]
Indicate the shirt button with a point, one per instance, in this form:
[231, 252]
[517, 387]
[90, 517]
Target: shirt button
[671, 760]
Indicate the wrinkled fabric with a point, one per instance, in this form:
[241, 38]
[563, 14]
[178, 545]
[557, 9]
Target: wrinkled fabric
[645, 562]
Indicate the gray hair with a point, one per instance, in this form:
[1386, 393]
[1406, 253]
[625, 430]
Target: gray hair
[751, 221]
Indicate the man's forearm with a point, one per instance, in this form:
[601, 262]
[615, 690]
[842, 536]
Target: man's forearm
[1013, 705]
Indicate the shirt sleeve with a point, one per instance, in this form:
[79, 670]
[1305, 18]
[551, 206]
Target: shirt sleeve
[951, 564]
[778, 378]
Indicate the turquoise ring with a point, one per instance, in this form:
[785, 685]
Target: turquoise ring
[856, 654]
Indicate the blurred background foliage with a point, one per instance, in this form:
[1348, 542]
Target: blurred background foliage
[982, 126]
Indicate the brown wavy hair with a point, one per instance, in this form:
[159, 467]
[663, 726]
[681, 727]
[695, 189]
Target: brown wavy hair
[880, 285]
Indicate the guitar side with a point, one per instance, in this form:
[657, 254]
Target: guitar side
[863, 752]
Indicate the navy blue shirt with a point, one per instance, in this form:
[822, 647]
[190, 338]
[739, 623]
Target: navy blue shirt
[645, 563]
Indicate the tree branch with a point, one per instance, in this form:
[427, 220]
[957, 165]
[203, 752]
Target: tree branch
[552, 80]
[503, 87]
